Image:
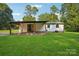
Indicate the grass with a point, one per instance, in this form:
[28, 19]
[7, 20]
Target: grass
[4, 30]
[51, 44]
[8, 31]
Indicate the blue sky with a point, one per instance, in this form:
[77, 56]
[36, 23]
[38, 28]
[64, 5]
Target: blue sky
[19, 8]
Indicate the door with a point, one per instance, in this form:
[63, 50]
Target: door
[29, 28]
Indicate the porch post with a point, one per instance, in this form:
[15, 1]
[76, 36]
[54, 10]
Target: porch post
[34, 27]
[10, 29]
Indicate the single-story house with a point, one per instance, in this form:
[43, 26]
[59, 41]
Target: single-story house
[38, 26]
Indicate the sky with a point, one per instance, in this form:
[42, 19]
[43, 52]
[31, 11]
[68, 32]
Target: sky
[19, 8]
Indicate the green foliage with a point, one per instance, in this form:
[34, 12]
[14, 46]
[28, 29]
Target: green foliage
[29, 18]
[5, 16]
[54, 9]
[54, 18]
[30, 11]
[34, 10]
[44, 17]
[70, 16]
[48, 17]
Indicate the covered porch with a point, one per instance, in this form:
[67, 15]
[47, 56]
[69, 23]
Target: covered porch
[27, 27]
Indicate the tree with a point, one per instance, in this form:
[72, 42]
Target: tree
[5, 16]
[44, 17]
[31, 11]
[28, 18]
[34, 10]
[54, 10]
[28, 10]
[52, 17]
[48, 17]
[70, 16]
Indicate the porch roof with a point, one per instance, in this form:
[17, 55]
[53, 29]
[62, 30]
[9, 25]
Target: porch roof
[28, 21]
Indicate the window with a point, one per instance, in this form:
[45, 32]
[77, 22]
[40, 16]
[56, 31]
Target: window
[48, 25]
[57, 25]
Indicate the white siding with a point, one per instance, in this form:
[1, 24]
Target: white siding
[53, 28]
[61, 28]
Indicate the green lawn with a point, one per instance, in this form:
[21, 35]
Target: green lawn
[40, 45]
[8, 31]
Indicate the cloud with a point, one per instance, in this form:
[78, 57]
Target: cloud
[16, 14]
[18, 19]
[38, 6]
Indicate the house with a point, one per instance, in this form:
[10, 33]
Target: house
[38, 26]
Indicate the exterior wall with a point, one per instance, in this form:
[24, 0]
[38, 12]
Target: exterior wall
[40, 27]
[53, 28]
[23, 28]
[61, 27]
[43, 28]
[35, 27]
